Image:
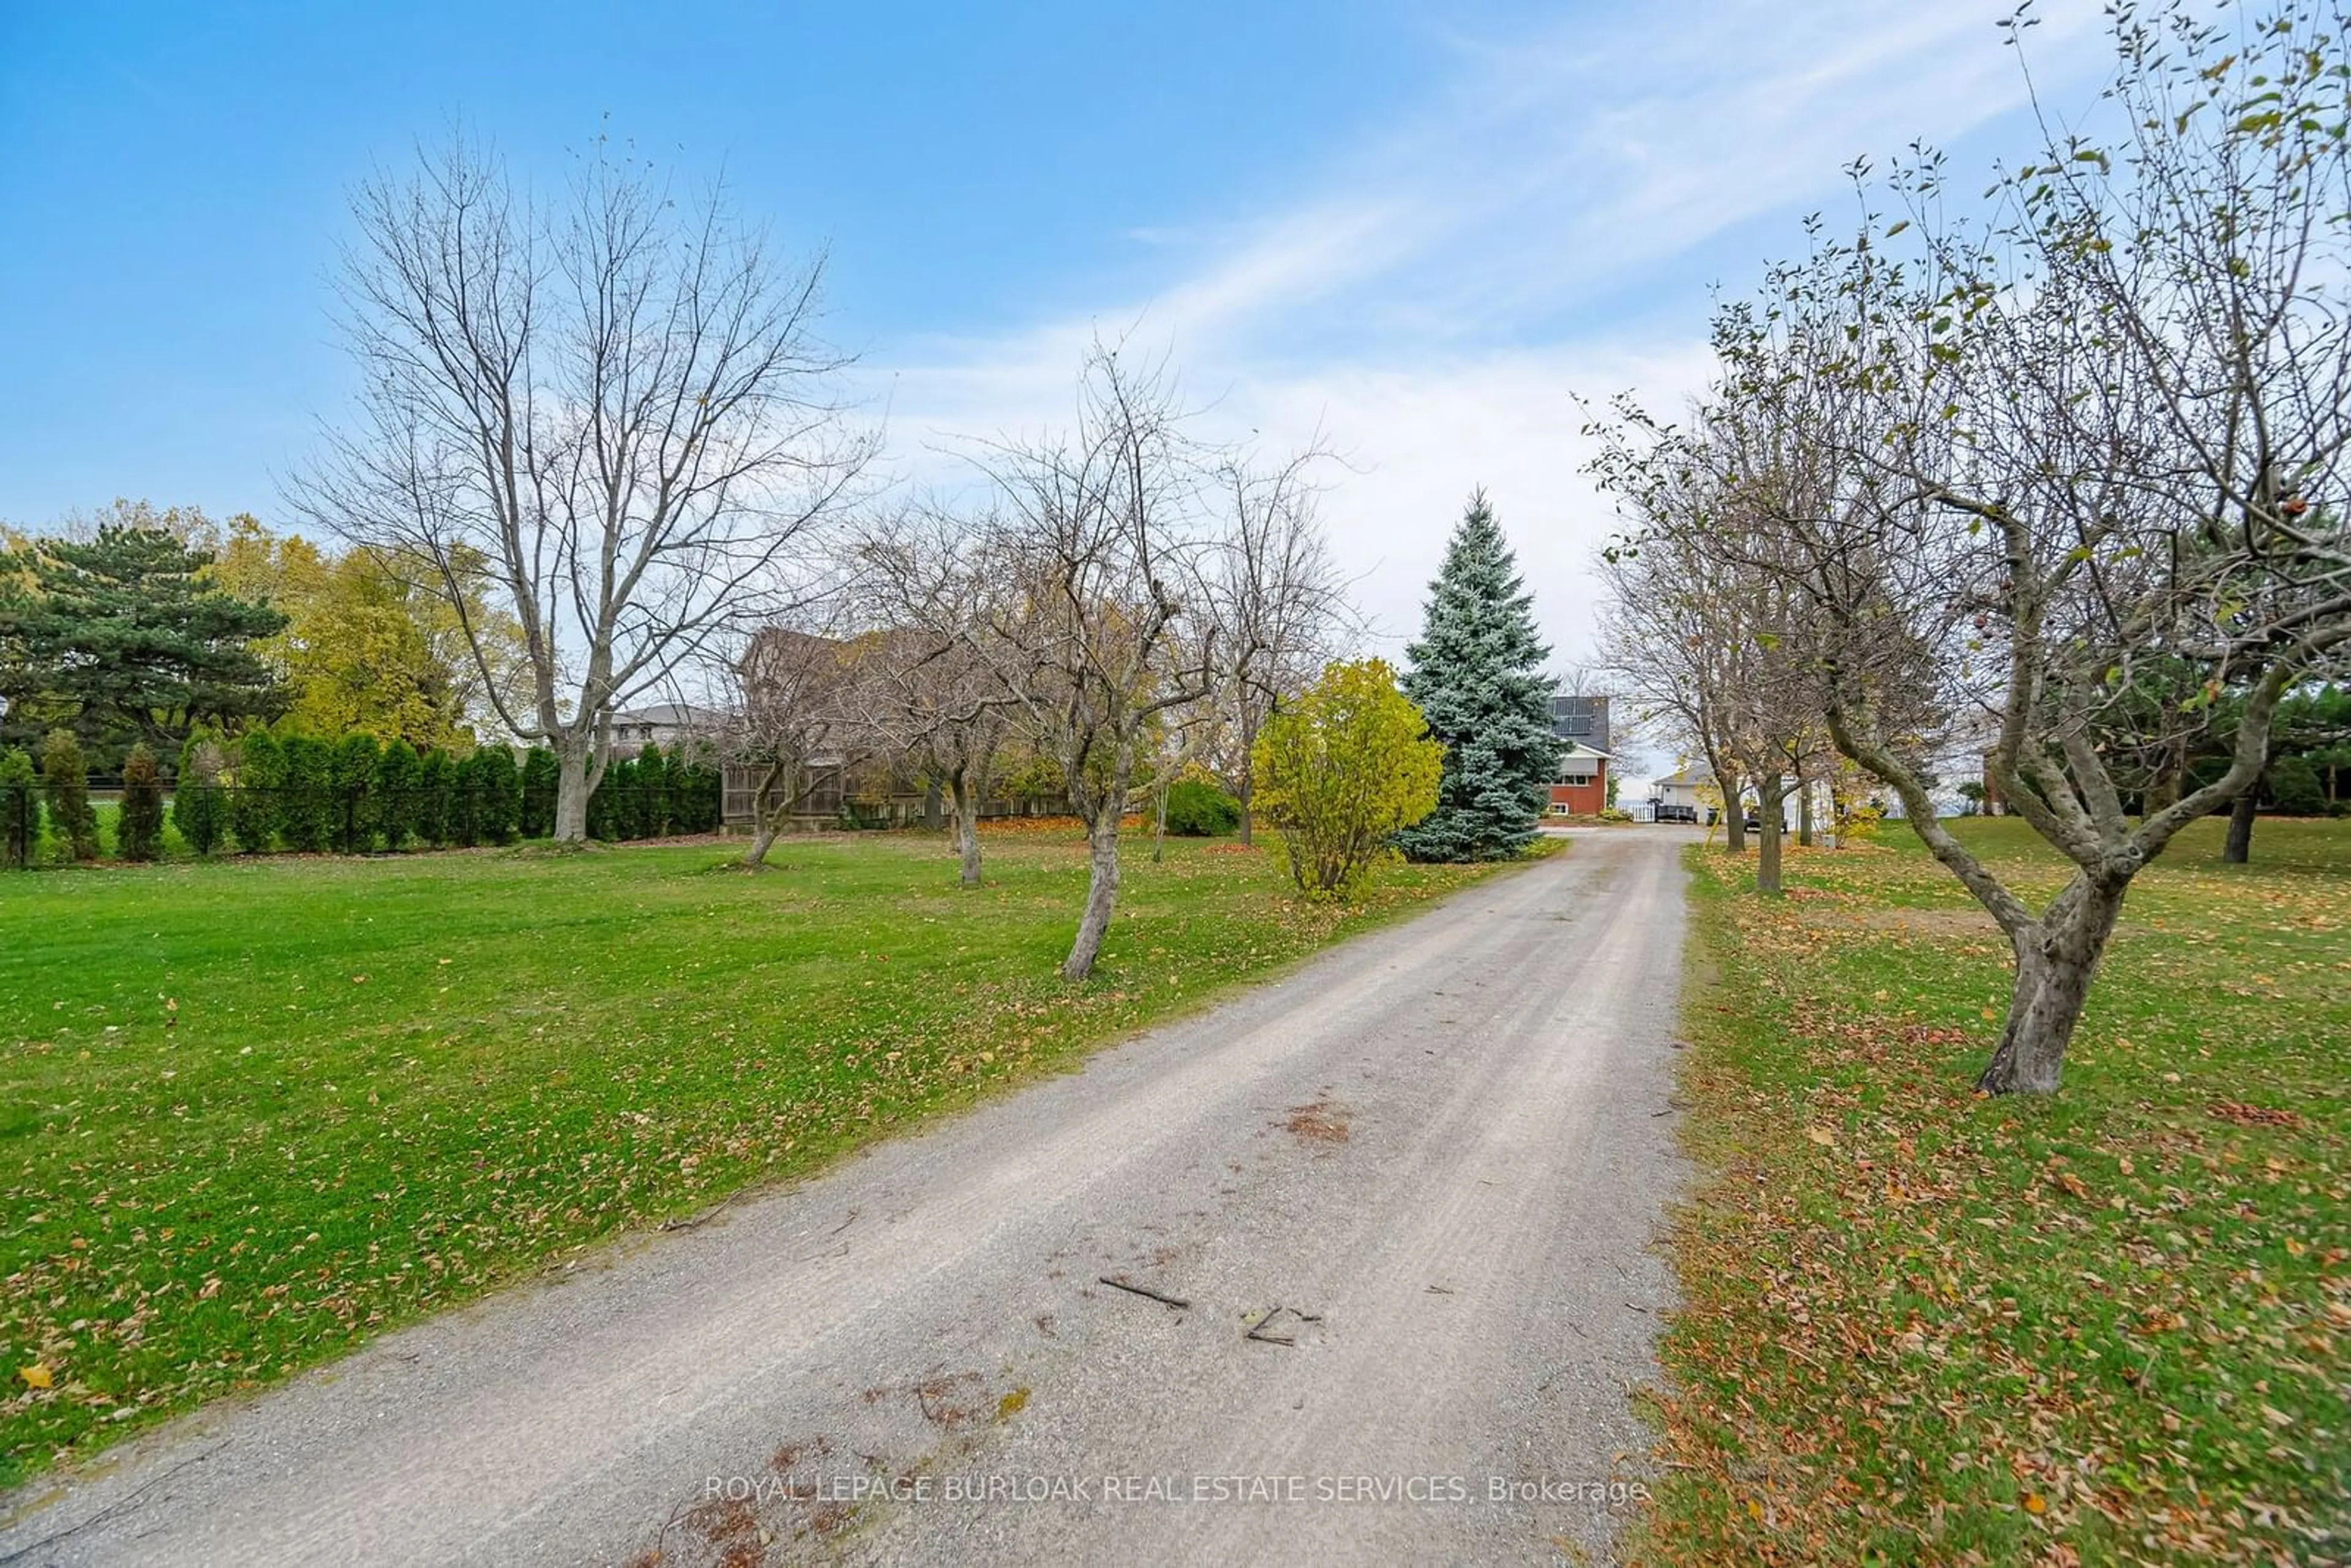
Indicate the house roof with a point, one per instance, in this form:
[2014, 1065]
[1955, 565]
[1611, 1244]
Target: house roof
[1686, 780]
[684, 716]
[1577, 749]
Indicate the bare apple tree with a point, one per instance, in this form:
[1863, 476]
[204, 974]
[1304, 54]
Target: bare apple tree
[2027, 465]
[1278, 602]
[940, 693]
[1099, 542]
[614, 397]
[807, 697]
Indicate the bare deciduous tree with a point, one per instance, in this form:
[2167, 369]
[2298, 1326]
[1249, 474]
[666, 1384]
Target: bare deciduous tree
[1278, 606]
[940, 696]
[1101, 542]
[616, 399]
[2040, 460]
[805, 694]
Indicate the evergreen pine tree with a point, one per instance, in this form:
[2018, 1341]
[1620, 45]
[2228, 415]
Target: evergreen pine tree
[129, 634]
[1477, 673]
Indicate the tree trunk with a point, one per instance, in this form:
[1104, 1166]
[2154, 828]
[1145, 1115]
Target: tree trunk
[967, 814]
[571, 790]
[2056, 957]
[1159, 830]
[1734, 818]
[1803, 812]
[768, 810]
[1771, 793]
[2238, 850]
[1101, 888]
[1248, 817]
[931, 804]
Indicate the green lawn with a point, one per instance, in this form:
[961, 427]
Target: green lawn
[50, 850]
[252, 1112]
[1922, 1325]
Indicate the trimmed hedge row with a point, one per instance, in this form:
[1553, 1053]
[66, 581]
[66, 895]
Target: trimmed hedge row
[354, 796]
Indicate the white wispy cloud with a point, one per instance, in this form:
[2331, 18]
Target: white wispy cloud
[1439, 293]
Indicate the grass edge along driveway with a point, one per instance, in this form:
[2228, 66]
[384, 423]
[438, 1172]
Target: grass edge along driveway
[254, 1113]
[1923, 1325]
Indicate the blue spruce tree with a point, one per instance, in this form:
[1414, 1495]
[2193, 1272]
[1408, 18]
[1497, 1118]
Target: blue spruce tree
[1477, 673]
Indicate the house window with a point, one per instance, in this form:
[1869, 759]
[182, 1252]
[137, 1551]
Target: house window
[1577, 780]
[1559, 809]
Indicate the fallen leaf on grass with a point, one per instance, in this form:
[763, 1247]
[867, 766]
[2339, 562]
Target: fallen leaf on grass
[37, 1377]
[2246, 1115]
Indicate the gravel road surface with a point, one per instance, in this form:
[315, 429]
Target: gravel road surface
[1440, 1150]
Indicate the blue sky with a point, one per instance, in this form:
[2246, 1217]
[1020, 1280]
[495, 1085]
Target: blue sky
[1421, 227]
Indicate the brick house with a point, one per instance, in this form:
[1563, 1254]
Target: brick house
[1579, 787]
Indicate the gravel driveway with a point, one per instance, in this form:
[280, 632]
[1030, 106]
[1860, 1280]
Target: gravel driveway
[1440, 1150]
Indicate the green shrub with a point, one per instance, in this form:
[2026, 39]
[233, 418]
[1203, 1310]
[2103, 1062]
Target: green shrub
[608, 807]
[2295, 788]
[393, 795]
[1198, 810]
[436, 791]
[20, 810]
[653, 813]
[64, 781]
[496, 792]
[693, 791]
[1340, 770]
[351, 810]
[541, 774]
[462, 829]
[307, 814]
[139, 830]
[199, 805]
[256, 807]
